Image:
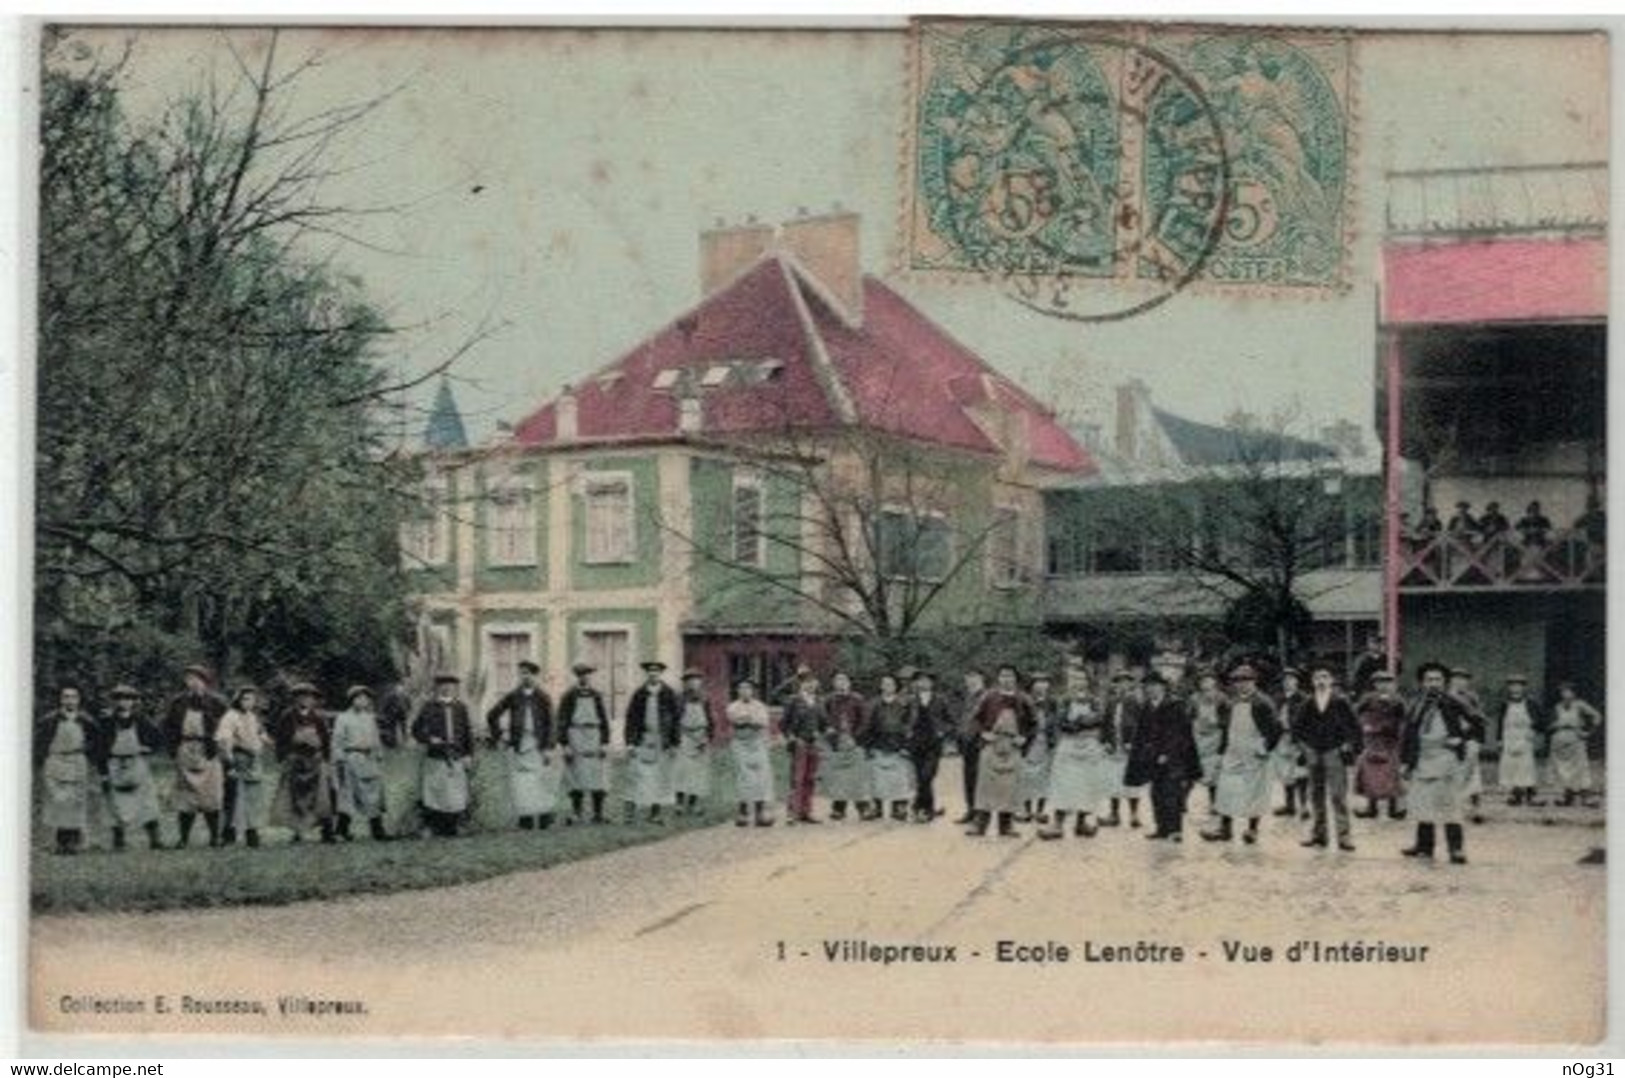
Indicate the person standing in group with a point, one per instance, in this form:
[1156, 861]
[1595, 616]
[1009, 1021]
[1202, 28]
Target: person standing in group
[889, 735]
[358, 766]
[1573, 722]
[1035, 754]
[1207, 729]
[1382, 723]
[804, 723]
[1123, 712]
[1288, 760]
[970, 738]
[928, 726]
[522, 722]
[696, 730]
[132, 794]
[67, 754]
[844, 768]
[1518, 732]
[1461, 687]
[244, 745]
[304, 745]
[1164, 757]
[652, 718]
[998, 774]
[1438, 729]
[445, 731]
[1082, 775]
[1251, 733]
[753, 768]
[1370, 662]
[584, 736]
[1325, 727]
[190, 724]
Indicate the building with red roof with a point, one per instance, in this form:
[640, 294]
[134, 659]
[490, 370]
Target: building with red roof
[801, 456]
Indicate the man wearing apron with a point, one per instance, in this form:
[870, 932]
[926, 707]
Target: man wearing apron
[652, 718]
[584, 736]
[1251, 733]
[444, 730]
[132, 794]
[1472, 782]
[243, 745]
[1518, 732]
[190, 725]
[929, 726]
[1288, 762]
[1382, 723]
[753, 768]
[1035, 762]
[304, 747]
[65, 751]
[1081, 775]
[1206, 706]
[1437, 732]
[887, 744]
[691, 774]
[998, 773]
[358, 765]
[523, 721]
[844, 763]
[1573, 722]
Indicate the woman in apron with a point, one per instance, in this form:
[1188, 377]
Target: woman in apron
[753, 770]
[1250, 733]
[1572, 723]
[64, 746]
[844, 770]
[358, 766]
[243, 744]
[1035, 758]
[305, 793]
[584, 733]
[691, 773]
[889, 768]
[1081, 776]
[132, 794]
[1518, 734]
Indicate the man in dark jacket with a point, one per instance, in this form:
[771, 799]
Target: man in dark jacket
[443, 728]
[190, 723]
[67, 753]
[1326, 729]
[652, 719]
[1438, 729]
[583, 719]
[970, 738]
[928, 726]
[1164, 756]
[804, 724]
[523, 721]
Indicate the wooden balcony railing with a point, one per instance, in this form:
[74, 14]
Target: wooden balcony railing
[1569, 560]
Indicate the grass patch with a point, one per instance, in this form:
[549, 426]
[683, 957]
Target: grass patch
[279, 872]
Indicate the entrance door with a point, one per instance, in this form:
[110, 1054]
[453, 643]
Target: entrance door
[610, 650]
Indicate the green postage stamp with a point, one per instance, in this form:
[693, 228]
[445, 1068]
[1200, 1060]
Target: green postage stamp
[1149, 156]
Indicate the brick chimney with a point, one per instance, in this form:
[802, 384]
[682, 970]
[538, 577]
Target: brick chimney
[1133, 402]
[565, 415]
[725, 252]
[827, 247]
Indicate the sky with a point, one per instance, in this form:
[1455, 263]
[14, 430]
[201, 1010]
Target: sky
[551, 185]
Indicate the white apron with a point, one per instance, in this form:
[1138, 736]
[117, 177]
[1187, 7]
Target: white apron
[132, 794]
[691, 773]
[998, 773]
[1082, 775]
[1035, 766]
[1205, 729]
[67, 780]
[753, 770]
[1243, 790]
[1434, 793]
[648, 767]
[1518, 748]
[843, 770]
[892, 776]
[1571, 767]
[586, 767]
[200, 781]
[358, 759]
[533, 778]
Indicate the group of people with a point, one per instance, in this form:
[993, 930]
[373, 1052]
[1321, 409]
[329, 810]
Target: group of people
[1071, 759]
[1533, 529]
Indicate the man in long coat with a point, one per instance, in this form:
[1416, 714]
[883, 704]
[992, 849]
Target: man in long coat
[653, 716]
[67, 753]
[443, 728]
[1329, 734]
[522, 720]
[1382, 721]
[1164, 757]
[1123, 713]
[128, 741]
[928, 728]
[191, 722]
[584, 736]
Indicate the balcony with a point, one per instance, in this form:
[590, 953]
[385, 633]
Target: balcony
[1571, 560]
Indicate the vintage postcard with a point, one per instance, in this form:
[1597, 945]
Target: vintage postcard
[966, 532]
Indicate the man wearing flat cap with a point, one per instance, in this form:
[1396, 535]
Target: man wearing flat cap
[128, 740]
[929, 727]
[653, 715]
[358, 765]
[1164, 757]
[1438, 729]
[444, 730]
[584, 736]
[696, 731]
[1381, 713]
[190, 723]
[1520, 726]
[304, 748]
[522, 722]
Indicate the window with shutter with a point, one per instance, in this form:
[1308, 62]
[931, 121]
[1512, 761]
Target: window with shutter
[608, 508]
[511, 524]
